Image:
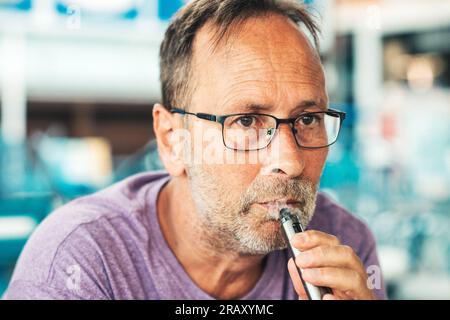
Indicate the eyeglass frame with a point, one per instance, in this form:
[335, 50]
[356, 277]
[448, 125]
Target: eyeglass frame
[221, 119]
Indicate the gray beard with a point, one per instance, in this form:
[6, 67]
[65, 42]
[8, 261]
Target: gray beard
[226, 225]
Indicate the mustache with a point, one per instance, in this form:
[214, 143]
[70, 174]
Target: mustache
[269, 189]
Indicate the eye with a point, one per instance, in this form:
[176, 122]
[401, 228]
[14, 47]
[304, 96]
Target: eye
[246, 121]
[308, 120]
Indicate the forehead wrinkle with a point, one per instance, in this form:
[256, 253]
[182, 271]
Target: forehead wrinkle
[233, 98]
[249, 68]
[279, 64]
[280, 83]
[260, 77]
[239, 96]
[269, 80]
[289, 74]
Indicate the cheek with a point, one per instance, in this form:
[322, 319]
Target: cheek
[314, 163]
[235, 178]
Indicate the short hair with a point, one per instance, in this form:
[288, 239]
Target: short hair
[176, 47]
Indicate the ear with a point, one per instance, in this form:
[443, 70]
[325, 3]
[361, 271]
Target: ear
[166, 128]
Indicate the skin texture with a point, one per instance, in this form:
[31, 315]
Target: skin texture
[209, 212]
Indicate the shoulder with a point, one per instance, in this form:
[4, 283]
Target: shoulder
[79, 232]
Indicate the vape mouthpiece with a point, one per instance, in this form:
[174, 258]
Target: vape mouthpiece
[286, 215]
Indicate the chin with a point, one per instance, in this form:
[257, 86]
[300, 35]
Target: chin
[263, 238]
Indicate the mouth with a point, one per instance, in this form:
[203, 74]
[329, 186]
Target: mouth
[274, 206]
[280, 201]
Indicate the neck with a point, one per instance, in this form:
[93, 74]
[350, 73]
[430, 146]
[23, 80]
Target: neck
[221, 274]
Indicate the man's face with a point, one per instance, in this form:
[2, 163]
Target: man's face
[269, 64]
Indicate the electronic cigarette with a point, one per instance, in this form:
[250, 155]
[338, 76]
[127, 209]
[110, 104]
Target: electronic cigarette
[291, 225]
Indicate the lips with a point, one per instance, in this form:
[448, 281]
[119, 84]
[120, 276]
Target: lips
[281, 201]
[273, 207]
[276, 205]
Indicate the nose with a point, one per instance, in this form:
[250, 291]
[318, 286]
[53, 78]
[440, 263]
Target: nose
[284, 156]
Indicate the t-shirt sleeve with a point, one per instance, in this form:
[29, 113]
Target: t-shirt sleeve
[76, 272]
[27, 290]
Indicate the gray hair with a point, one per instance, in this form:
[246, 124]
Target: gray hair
[176, 48]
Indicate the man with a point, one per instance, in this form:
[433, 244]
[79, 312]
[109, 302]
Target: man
[209, 228]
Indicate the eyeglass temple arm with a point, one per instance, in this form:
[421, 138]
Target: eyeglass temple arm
[341, 114]
[205, 116]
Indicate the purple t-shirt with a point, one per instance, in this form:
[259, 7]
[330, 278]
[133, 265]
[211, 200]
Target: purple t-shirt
[109, 245]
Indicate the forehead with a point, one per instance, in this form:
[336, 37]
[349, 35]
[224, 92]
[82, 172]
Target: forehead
[268, 60]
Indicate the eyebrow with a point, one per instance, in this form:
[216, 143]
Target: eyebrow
[308, 104]
[264, 108]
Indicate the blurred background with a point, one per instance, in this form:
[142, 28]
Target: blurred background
[78, 80]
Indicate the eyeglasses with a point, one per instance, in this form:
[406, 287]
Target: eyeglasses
[255, 131]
